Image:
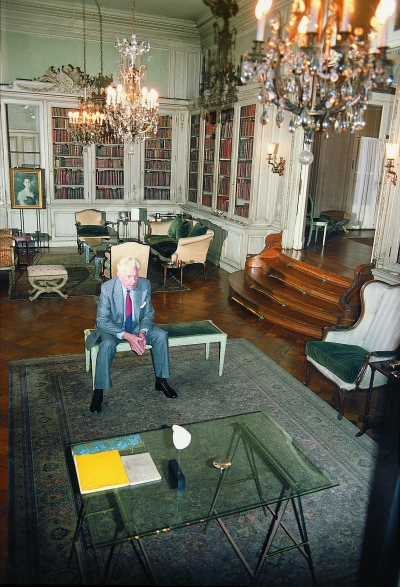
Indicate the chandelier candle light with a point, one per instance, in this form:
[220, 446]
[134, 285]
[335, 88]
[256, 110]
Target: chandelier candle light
[318, 66]
[132, 111]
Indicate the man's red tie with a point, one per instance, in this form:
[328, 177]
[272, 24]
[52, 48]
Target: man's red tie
[128, 313]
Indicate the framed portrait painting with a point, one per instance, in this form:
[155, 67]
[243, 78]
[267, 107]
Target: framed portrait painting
[26, 188]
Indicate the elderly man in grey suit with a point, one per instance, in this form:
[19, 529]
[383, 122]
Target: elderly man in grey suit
[125, 312]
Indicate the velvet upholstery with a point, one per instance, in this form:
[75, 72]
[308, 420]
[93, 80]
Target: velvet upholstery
[345, 360]
[197, 229]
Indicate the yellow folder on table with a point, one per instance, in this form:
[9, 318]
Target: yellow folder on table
[100, 471]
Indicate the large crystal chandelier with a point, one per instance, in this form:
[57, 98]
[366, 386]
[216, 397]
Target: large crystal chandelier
[317, 66]
[131, 111]
[87, 124]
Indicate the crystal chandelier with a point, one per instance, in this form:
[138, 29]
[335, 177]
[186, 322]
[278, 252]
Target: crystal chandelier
[317, 67]
[131, 111]
[87, 125]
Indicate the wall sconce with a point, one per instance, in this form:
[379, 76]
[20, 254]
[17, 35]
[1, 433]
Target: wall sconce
[392, 151]
[277, 167]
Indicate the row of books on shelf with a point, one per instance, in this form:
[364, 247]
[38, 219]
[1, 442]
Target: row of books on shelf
[157, 178]
[195, 129]
[67, 149]
[110, 151]
[194, 142]
[164, 123]
[249, 110]
[109, 469]
[209, 155]
[61, 135]
[224, 185]
[110, 163]
[206, 200]
[110, 177]
[209, 142]
[194, 155]
[60, 122]
[157, 154]
[158, 164]
[242, 211]
[69, 193]
[208, 168]
[68, 162]
[223, 205]
[68, 176]
[244, 169]
[192, 197]
[210, 128]
[245, 150]
[193, 181]
[158, 144]
[208, 183]
[156, 194]
[227, 129]
[225, 167]
[243, 189]
[225, 149]
[246, 128]
[103, 193]
[194, 166]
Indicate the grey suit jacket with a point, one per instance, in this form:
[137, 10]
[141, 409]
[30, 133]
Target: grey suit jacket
[110, 312]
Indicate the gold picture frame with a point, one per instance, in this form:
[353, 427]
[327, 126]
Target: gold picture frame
[26, 188]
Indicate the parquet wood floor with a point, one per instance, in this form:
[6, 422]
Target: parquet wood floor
[49, 327]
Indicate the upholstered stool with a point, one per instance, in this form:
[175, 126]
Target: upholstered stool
[46, 279]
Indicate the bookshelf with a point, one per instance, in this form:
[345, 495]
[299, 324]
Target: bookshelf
[225, 159]
[68, 163]
[244, 160]
[157, 162]
[209, 158]
[109, 169]
[194, 157]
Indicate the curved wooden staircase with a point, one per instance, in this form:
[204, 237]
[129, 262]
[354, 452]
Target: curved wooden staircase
[297, 296]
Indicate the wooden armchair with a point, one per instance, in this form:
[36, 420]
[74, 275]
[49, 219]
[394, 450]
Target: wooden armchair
[344, 354]
[116, 252]
[8, 257]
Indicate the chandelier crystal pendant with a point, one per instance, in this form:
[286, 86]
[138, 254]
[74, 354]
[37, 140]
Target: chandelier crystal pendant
[87, 124]
[317, 67]
[132, 111]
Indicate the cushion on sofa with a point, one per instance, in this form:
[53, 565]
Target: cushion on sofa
[198, 229]
[92, 230]
[154, 239]
[179, 228]
[344, 360]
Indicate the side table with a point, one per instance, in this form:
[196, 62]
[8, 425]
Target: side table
[24, 240]
[393, 376]
[167, 266]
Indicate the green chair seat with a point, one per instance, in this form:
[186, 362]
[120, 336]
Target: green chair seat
[344, 360]
[92, 230]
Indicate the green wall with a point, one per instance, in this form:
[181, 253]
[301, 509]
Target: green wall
[28, 56]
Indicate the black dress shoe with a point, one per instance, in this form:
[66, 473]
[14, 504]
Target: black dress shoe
[97, 400]
[163, 385]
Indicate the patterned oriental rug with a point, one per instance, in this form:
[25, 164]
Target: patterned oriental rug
[49, 401]
[81, 277]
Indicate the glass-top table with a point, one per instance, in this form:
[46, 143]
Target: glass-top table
[231, 465]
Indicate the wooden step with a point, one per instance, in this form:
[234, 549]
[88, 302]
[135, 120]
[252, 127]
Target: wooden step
[300, 297]
[286, 294]
[269, 310]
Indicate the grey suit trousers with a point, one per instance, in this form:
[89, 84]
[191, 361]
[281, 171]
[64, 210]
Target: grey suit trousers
[158, 339]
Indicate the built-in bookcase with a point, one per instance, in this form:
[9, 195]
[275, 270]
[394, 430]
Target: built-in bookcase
[194, 157]
[245, 159]
[68, 165]
[225, 159]
[109, 167]
[157, 162]
[209, 158]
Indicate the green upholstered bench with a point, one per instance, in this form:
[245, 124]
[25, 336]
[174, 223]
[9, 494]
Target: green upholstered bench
[179, 334]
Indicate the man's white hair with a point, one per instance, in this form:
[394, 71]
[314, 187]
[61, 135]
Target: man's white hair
[127, 262]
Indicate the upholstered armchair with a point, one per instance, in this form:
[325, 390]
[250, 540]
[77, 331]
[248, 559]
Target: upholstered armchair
[343, 356]
[92, 227]
[116, 252]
